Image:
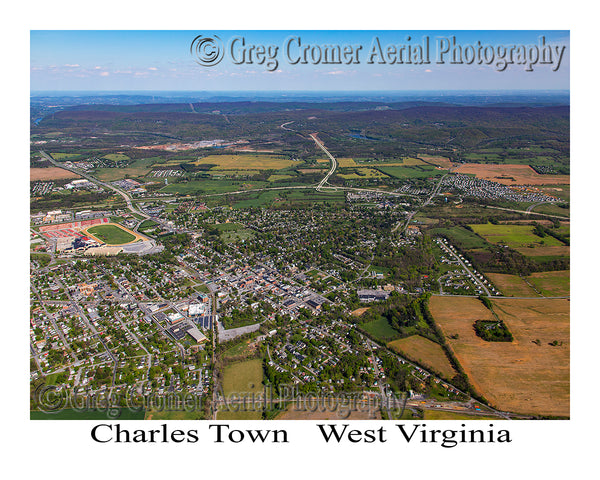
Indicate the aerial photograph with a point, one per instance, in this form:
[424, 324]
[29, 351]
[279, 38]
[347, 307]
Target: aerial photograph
[299, 225]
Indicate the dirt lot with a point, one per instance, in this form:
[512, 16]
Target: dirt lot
[426, 352]
[359, 311]
[519, 376]
[519, 174]
[51, 173]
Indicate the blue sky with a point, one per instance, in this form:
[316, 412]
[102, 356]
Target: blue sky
[161, 60]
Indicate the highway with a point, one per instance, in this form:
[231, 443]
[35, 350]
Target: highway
[333, 162]
[125, 196]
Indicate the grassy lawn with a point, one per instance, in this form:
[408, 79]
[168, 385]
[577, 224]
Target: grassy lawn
[115, 157]
[243, 377]
[513, 235]
[111, 234]
[380, 329]
[209, 186]
[237, 236]
[461, 237]
[411, 171]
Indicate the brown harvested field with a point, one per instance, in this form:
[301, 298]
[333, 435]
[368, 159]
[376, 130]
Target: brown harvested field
[425, 352]
[439, 161]
[511, 285]
[519, 376]
[552, 284]
[50, 173]
[522, 174]
[550, 250]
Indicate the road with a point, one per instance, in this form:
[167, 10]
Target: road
[331, 157]
[465, 268]
[125, 196]
[527, 211]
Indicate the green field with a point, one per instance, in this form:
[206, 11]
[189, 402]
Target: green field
[139, 168]
[111, 234]
[552, 284]
[237, 236]
[380, 329]
[513, 235]
[362, 173]
[461, 237]
[243, 377]
[283, 198]
[116, 157]
[209, 186]
[275, 177]
[246, 162]
[65, 156]
[71, 414]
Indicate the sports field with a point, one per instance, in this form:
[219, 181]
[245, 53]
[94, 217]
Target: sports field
[112, 234]
[528, 375]
[246, 162]
[425, 352]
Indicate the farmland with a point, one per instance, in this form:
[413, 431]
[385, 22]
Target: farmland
[139, 168]
[511, 174]
[552, 284]
[415, 171]
[245, 162]
[513, 235]
[511, 285]
[363, 173]
[51, 173]
[425, 352]
[529, 375]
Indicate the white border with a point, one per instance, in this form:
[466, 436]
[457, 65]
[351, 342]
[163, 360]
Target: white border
[544, 449]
